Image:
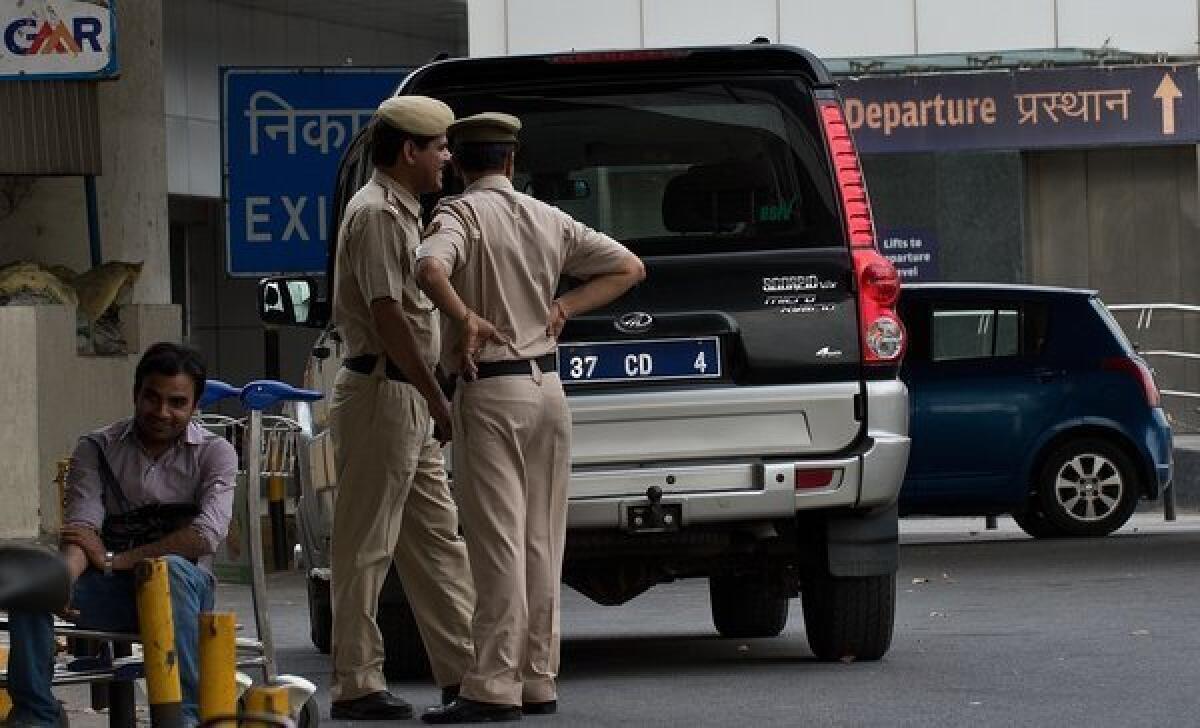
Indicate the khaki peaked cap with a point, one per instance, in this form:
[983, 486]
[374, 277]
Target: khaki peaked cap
[417, 115]
[488, 127]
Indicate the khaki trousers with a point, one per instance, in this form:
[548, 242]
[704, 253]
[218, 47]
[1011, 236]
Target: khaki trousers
[393, 505]
[511, 468]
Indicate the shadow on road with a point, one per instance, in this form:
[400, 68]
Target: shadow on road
[683, 654]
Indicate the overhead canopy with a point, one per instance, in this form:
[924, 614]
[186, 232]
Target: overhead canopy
[982, 60]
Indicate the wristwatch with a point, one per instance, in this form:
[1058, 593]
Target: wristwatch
[108, 563]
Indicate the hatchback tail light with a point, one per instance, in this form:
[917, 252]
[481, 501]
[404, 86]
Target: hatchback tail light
[1136, 368]
[878, 284]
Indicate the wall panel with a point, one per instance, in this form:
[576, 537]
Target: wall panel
[708, 22]
[1148, 26]
[540, 26]
[850, 28]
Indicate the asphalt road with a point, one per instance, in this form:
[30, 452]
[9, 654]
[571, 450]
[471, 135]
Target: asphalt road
[992, 629]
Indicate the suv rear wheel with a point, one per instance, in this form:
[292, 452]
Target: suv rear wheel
[405, 656]
[402, 643]
[320, 614]
[404, 650]
[746, 605]
[849, 617]
[1087, 487]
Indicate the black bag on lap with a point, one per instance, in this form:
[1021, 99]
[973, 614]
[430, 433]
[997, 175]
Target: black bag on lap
[134, 527]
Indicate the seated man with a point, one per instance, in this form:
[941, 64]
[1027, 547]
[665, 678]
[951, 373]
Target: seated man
[155, 485]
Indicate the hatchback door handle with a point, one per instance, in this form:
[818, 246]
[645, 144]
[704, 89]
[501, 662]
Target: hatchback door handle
[1045, 375]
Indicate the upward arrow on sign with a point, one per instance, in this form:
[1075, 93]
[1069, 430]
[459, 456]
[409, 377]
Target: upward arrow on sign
[1166, 93]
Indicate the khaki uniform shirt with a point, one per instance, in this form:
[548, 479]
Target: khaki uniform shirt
[504, 251]
[379, 234]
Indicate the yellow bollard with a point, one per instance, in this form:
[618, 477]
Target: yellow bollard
[5, 701]
[267, 700]
[275, 484]
[276, 492]
[158, 643]
[218, 665]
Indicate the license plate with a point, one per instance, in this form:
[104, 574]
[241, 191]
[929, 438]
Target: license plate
[644, 360]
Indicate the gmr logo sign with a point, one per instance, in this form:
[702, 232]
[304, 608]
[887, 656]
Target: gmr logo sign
[60, 38]
[25, 36]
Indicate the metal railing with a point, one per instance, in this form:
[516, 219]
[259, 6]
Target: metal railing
[1145, 317]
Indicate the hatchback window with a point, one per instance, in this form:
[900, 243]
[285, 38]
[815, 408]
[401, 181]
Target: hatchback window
[681, 167]
[976, 333]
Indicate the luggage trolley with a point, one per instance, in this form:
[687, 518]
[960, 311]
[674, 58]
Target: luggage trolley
[268, 451]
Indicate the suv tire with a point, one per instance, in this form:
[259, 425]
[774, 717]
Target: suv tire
[849, 617]
[746, 605]
[402, 644]
[404, 650]
[1087, 487]
[320, 614]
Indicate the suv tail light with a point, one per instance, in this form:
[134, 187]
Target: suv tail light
[814, 479]
[878, 284]
[1136, 368]
[631, 56]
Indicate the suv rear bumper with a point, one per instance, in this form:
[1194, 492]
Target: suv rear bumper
[744, 489]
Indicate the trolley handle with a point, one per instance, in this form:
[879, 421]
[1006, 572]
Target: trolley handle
[215, 390]
[262, 393]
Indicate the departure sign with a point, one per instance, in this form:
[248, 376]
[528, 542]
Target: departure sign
[1030, 109]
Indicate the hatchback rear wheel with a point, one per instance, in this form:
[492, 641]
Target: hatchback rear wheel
[1033, 522]
[1087, 487]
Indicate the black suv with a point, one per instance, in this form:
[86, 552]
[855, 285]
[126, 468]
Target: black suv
[738, 416]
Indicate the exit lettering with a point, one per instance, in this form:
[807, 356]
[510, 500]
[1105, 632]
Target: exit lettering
[286, 218]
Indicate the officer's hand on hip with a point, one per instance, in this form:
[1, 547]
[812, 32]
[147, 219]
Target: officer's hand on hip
[556, 319]
[477, 332]
[443, 429]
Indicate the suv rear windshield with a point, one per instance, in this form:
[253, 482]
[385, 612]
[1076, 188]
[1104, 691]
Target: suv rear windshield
[680, 167]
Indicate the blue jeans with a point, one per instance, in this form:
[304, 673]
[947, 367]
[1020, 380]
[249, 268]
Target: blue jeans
[105, 603]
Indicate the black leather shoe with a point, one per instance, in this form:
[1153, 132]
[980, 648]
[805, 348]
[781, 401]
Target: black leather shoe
[546, 707]
[449, 693]
[465, 710]
[372, 706]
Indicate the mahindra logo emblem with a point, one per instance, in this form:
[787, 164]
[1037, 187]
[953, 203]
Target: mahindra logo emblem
[634, 322]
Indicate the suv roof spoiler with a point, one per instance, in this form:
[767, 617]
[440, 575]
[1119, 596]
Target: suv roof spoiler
[500, 71]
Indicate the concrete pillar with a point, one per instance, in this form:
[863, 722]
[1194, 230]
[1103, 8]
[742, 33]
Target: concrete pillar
[132, 192]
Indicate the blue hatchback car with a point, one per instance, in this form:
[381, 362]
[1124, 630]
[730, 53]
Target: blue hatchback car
[1028, 400]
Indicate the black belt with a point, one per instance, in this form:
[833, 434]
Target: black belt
[365, 364]
[547, 363]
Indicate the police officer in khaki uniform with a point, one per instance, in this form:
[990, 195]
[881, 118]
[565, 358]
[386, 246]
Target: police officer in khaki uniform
[491, 261]
[393, 502]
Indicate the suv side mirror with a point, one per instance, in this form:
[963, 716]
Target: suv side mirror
[286, 301]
